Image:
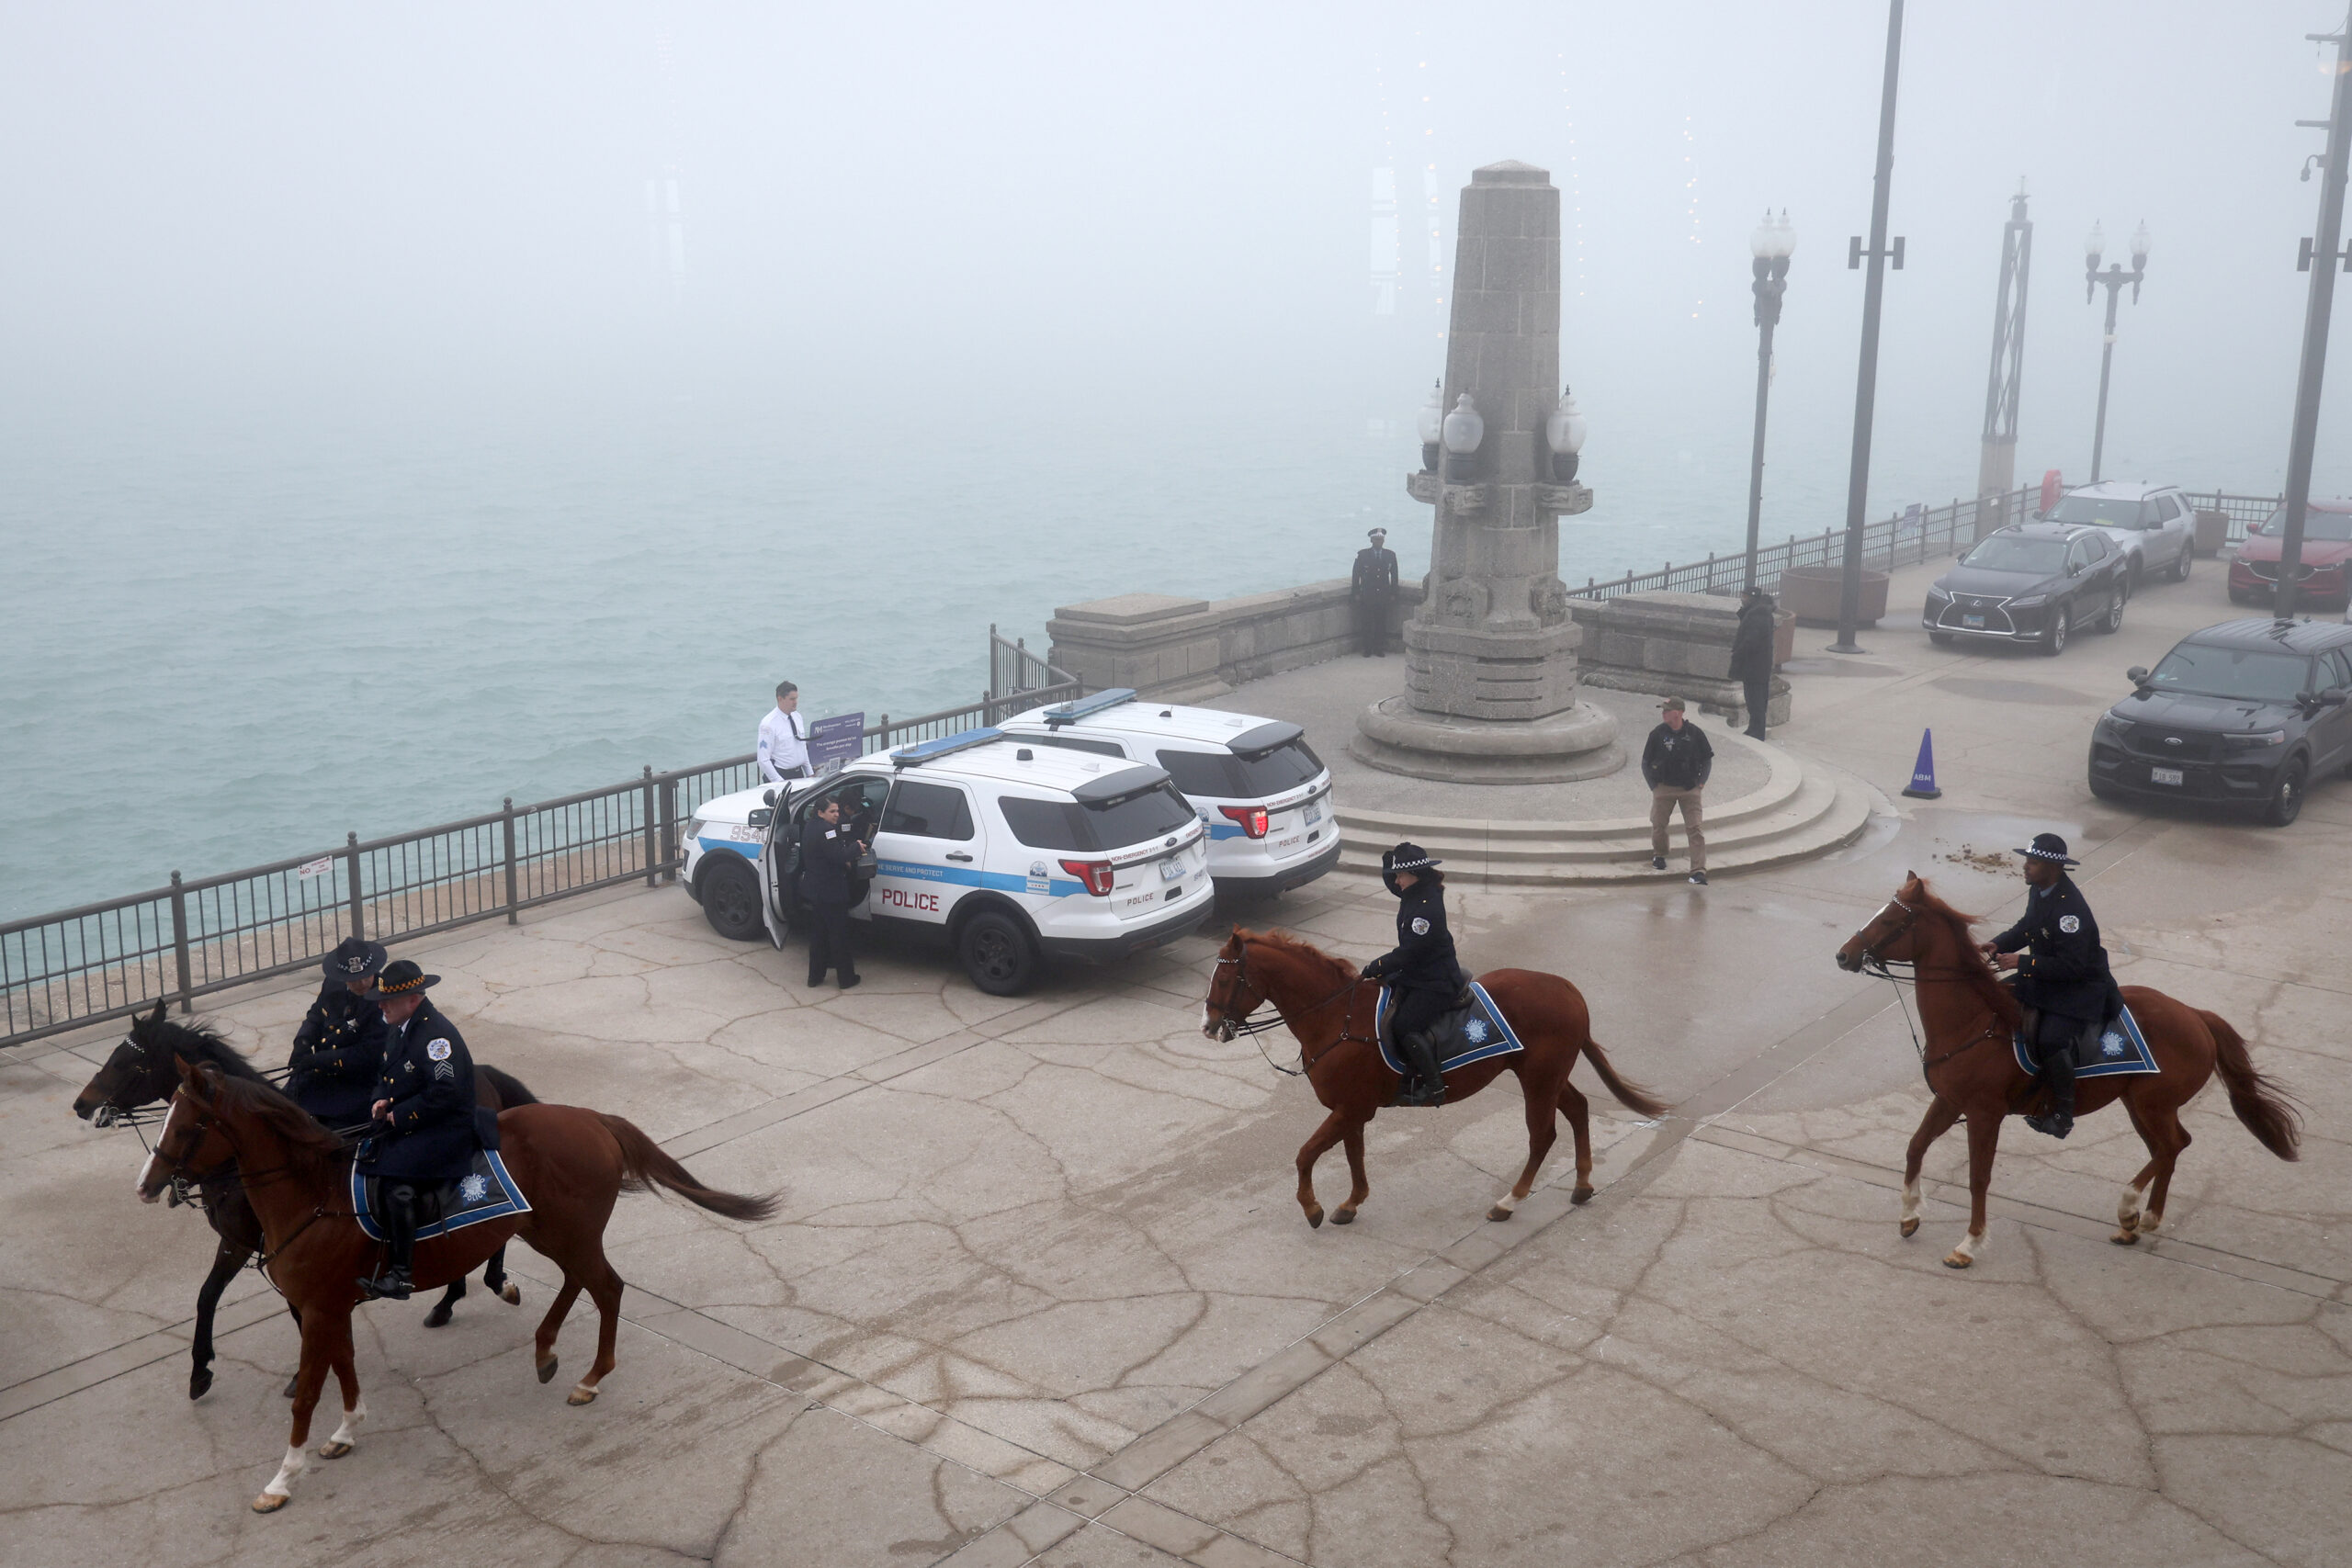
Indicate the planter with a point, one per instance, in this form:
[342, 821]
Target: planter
[1810, 595]
[1784, 637]
[2212, 532]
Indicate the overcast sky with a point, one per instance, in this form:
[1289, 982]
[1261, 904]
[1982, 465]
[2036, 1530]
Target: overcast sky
[950, 222]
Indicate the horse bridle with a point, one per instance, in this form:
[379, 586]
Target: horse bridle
[1229, 1027]
[1882, 967]
[1871, 963]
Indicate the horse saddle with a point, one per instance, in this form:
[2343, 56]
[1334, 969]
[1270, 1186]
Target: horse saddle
[485, 1193]
[1471, 1031]
[2114, 1049]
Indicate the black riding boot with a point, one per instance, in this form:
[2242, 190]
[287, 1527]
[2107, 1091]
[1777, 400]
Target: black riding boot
[2058, 1072]
[396, 1211]
[1427, 1085]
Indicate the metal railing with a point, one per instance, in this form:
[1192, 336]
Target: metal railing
[1015, 672]
[2247, 512]
[187, 939]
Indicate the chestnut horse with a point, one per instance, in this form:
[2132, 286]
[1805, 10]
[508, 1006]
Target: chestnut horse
[144, 1068]
[572, 1164]
[1330, 1008]
[1968, 1015]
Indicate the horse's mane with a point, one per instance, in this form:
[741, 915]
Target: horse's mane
[1973, 970]
[308, 1144]
[1341, 971]
[199, 1042]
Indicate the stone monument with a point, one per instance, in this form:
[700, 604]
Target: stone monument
[1491, 656]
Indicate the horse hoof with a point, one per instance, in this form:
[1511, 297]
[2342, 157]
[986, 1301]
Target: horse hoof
[1343, 1216]
[334, 1451]
[200, 1381]
[510, 1295]
[2125, 1238]
[547, 1370]
[1499, 1213]
[438, 1317]
[1581, 1195]
[1957, 1261]
[288, 1392]
[1910, 1229]
[584, 1394]
[1314, 1218]
[269, 1503]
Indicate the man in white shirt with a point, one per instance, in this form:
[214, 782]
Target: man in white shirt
[784, 738]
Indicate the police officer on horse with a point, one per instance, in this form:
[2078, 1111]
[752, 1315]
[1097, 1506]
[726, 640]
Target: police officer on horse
[424, 1135]
[1422, 968]
[339, 1050]
[2062, 971]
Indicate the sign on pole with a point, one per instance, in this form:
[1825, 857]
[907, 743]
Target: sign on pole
[835, 741]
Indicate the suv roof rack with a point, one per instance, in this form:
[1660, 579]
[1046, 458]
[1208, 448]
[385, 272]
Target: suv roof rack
[915, 756]
[1082, 707]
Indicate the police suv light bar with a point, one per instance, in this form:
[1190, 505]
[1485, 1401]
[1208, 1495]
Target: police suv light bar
[945, 746]
[1082, 707]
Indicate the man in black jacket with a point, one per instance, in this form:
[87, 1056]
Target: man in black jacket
[340, 1047]
[2063, 972]
[1422, 968]
[1373, 590]
[1675, 764]
[424, 1135]
[1751, 657]
[828, 850]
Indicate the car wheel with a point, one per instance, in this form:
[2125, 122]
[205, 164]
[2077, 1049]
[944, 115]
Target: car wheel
[999, 956]
[2113, 620]
[730, 898]
[2286, 793]
[2180, 568]
[1942, 639]
[2054, 641]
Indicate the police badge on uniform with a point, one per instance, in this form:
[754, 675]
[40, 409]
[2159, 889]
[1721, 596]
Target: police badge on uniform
[2070, 924]
[439, 1050]
[1420, 925]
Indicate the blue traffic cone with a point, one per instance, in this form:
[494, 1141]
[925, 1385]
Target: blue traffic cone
[1923, 772]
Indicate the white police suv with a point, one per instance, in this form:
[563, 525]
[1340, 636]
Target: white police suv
[1012, 852]
[1259, 788]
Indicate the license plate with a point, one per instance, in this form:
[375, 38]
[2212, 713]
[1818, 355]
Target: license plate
[1314, 811]
[2164, 775]
[1170, 870]
[1971, 621]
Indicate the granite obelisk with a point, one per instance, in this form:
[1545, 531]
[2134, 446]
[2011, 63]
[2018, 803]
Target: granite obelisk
[1491, 656]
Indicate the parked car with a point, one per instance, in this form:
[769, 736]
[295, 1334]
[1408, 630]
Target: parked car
[2030, 582]
[2326, 578]
[2247, 712]
[2153, 526]
[1261, 791]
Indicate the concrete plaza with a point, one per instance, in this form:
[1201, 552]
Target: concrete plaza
[1039, 1290]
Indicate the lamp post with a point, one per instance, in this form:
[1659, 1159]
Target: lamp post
[2319, 257]
[1770, 245]
[1564, 437]
[1431, 420]
[1463, 433]
[1858, 473]
[2114, 278]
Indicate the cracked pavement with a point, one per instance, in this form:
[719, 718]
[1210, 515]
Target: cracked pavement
[1039, 1290]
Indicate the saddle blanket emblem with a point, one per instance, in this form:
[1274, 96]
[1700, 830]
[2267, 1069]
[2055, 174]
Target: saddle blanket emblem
[2122, 1050]
[485, 1193]
[1465, 1036]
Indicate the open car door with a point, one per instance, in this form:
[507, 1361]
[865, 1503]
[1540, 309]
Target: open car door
[779, 868]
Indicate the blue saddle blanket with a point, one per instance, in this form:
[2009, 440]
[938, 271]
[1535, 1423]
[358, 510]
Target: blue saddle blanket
[2122, 1050]
[485, 1193]
[1466, 1035]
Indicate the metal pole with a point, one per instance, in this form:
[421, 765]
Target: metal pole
[179, 939]
[2105, 363]
[351, 883]
[2316, 319]
[652, 833]
[512, 892]
[1770, 276]
[1858, 479]
[670, 828]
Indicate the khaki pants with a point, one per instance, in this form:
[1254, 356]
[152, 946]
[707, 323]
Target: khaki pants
[1663, 800]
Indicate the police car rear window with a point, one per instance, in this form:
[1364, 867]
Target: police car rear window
[1110, 824]
[928, 811]
[1222, 776]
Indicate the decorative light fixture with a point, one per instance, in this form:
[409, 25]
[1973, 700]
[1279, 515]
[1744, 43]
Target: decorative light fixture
[1432, 421]
[1463, 432]
[1564, 433]
[2094, 246]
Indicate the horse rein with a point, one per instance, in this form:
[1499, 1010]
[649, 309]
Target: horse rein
[1243, 1026]
[1882, 968]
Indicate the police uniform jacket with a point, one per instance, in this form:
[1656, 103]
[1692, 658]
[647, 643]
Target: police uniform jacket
[1376, 573]
[429, 1078]
[1678, 758]
[1423, 958]
[827, 851]
[2062, 967]
[338, 1052]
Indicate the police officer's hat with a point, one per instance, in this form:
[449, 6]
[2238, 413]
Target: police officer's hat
[402, 977]
[354, 959]
[1375, 533]
[1407, 856]
[2049, 847]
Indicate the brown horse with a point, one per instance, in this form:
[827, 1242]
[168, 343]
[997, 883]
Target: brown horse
[1331, 1009]
[572, 1165]
[1968, 1016]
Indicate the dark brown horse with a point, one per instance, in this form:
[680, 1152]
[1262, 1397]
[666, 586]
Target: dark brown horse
[1331, 1011]
[145, 1070]
[572, 1165]
[1968, 1015]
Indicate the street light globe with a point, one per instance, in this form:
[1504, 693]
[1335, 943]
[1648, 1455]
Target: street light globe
[2140, 242]
[1432, 415]
[1464, 429]
[2096, 245]
[1564, 432]
[1764, 244]
[1788, 235]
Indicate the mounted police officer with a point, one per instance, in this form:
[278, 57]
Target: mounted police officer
[1372, 587]
[2061, 972]
[1422, 968]
[425, 1135]
[339, 1050]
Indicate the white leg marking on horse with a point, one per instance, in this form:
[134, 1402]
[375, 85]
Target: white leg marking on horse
[349, 1431]
[282, 1486]
[2127, 1211]
[1506, 1202]
[1910, 1202]
[1970, 1245]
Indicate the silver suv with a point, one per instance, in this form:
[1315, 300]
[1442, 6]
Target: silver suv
[2153, 526]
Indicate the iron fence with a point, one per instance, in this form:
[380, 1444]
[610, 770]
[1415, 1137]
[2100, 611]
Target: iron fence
[2245, 513]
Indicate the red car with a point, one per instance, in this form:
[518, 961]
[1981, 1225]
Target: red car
[2327, 558]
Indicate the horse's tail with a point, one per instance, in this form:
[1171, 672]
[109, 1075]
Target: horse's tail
[2259, 1103]
[648, 1167]
[510, 1092]
[1632, 1096]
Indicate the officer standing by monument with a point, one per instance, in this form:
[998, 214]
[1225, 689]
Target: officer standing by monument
[1751, 657]
[1372, 590]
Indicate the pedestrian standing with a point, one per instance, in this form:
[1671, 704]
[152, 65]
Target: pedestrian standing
[784, 738]
[1372, 592]
[828, 850]
[1675, 764]
[1751, 657]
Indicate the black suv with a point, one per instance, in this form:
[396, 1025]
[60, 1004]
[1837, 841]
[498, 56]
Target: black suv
[2030, 582]
[2248, 711]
